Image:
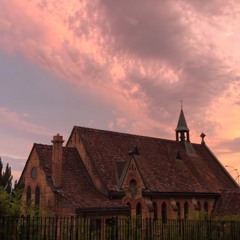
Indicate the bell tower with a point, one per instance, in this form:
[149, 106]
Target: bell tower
[182, 130]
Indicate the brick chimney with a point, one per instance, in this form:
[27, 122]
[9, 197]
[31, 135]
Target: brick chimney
[57, 155]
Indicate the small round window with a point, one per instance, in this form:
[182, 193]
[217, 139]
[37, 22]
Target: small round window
[132, 184]
[34, 173]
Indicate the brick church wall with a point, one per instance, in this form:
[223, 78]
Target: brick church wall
[47, 197]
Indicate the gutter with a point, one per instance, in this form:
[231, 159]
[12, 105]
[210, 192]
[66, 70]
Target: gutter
[148, 193]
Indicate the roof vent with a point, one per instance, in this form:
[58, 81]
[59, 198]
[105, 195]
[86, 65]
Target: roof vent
[133, 150]
[177, 155]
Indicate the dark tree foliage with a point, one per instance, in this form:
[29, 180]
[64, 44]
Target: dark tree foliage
[6, 177]
[10, 204]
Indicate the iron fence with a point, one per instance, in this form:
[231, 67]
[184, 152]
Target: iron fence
[71, 228]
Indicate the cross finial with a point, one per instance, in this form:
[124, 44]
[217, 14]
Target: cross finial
[202, 136]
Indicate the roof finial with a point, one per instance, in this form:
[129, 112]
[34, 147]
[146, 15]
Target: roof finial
[181, 101]
[202, 137]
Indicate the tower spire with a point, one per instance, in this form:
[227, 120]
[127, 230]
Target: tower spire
[182, 130]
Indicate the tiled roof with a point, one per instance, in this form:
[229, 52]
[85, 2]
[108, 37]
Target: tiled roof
[228, 204]
[120, 167]
[77, 187]
[164, 164]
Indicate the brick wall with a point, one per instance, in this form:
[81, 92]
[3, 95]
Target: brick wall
[47, 197]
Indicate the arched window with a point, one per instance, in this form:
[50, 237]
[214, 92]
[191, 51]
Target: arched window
[178, 210]
[155, 211]
[37, 196]
[164, 212]
[206, 209]
[133, 188]
[206, 206]
[199, 206]
[130, 208]
[185, 210]
[139, 210]
[28, 198]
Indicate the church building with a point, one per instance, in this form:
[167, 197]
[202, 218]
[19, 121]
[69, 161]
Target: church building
[105, 173]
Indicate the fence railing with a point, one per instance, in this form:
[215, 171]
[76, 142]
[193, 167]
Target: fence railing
[56, 228]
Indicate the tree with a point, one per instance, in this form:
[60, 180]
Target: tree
[6, 177]
[10, 204]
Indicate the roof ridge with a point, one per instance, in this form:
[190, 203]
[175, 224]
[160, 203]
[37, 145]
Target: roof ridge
[123, 133]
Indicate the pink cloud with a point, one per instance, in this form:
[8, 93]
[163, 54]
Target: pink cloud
[139, 57]
[20, 122]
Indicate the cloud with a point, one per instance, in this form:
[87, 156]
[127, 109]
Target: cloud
[19, 123]
[214, 7]
[121, 122]
[18, 134]
[152, 31]
[85, 41]
[231, 145]
[139, 57]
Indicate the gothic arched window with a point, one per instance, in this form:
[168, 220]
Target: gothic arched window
[206, 209]
[164, 212]
[155, 211]
[130, 208]
[199, 206]
[185, 210]
[133, 188]
[37, 196]
[206, 206]
[178, 210]
[139, 210]
[28, 198]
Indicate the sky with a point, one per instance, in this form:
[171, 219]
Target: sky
[122, 66]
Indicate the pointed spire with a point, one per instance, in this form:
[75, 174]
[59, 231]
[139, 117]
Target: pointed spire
[182, 124]
[182, 130]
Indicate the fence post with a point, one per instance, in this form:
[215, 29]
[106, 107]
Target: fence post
[112, 229]
[28, 228]
[56, 228]
[179, 227]
[117, 227]
[209, 229]
[146, 228]
[151, 228]
[232, 224]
